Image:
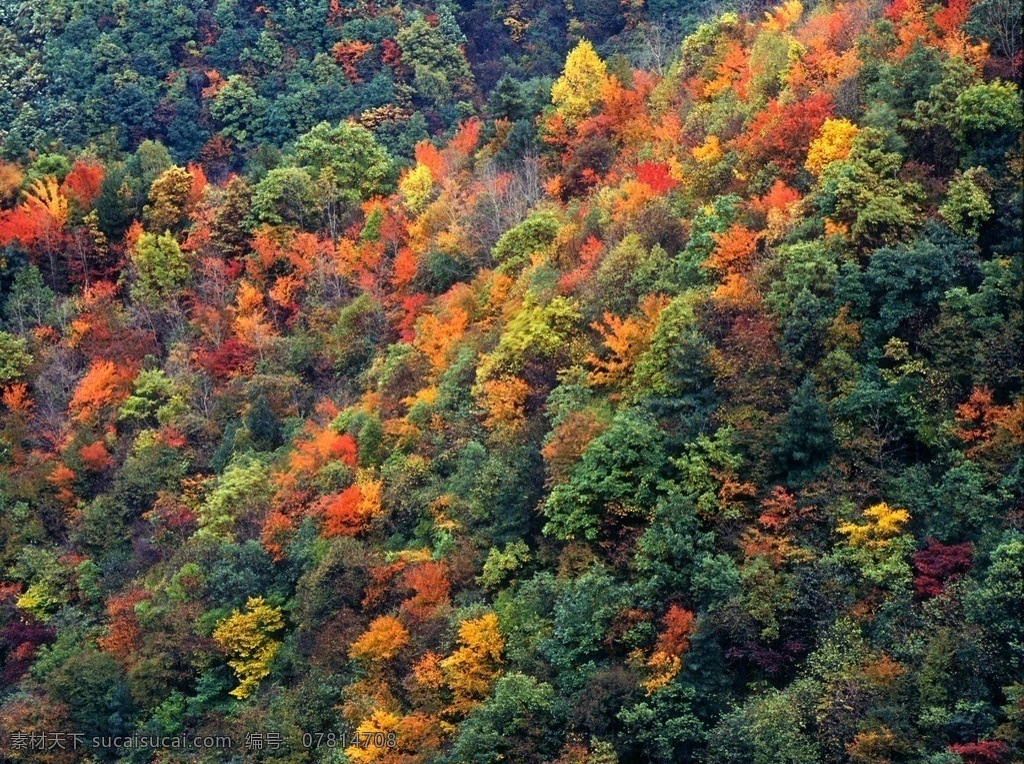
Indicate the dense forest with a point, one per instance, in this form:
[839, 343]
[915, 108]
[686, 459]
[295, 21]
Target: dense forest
[588, 382]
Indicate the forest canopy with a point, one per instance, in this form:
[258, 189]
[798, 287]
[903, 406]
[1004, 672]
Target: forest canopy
[463, 382]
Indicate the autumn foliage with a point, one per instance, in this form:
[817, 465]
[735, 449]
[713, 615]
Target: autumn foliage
[588, 383]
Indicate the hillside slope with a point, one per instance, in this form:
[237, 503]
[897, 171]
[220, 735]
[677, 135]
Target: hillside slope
[648, 415]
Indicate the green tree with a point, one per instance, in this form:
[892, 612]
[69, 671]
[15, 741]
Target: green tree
[520, 721]
[664, 726]
[242, 488]
[668, 549]
[29, 300]
[994, 602]
[263, 425]
[237, 109]
[228, 230]
[440, 70]
[988, 119]
[620, 472]
[359, 167]
[864, 190]
[513, 250]
[14, 357]
[286, 196]
[673, 376]
[91, 684]
[967, 204]
[767, 729]
[583, 610]
[537, 332]
[167, 199]
[150, 391]
[161, 269]
[805, 442]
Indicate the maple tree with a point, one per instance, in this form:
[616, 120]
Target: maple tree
[83, 183]
[938, 563]
[430, 585]
[346, 513]
[124, 634]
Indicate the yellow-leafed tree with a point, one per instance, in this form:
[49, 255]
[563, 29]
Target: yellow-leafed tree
[832, 144]
[416, 187]
[380, 722]
[45, 195]
[470, 671]
[247, 637]
[883, 524]
[579, 88]
[880, 547]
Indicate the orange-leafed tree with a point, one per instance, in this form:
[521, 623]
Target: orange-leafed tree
[781, 133]
[124, 633]
[95, 456]
[734, 249]
[347, 54]
[673, 642]
[382, 641]
[626, 339]
[430, 586]
[10, 181]
[977, 419]
[276, 531]
[314, 449]
[104, 386]
[436, 335]
[566, 443]
[251, 321]
[503, 399]
[345, 513]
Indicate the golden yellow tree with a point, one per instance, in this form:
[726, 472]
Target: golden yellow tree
[832, 144]
[883, 524]
[473, 667]
[45, 195]
[416, 187]
[879, 546]
[379, 722]
[503, 400]
[247, 637]
[579, 88]
[251, 320]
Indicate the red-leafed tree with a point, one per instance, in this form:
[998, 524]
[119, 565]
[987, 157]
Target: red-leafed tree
[781, 133]
[655, 175]
[982, 752]
[83, 183]
[937, 564]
